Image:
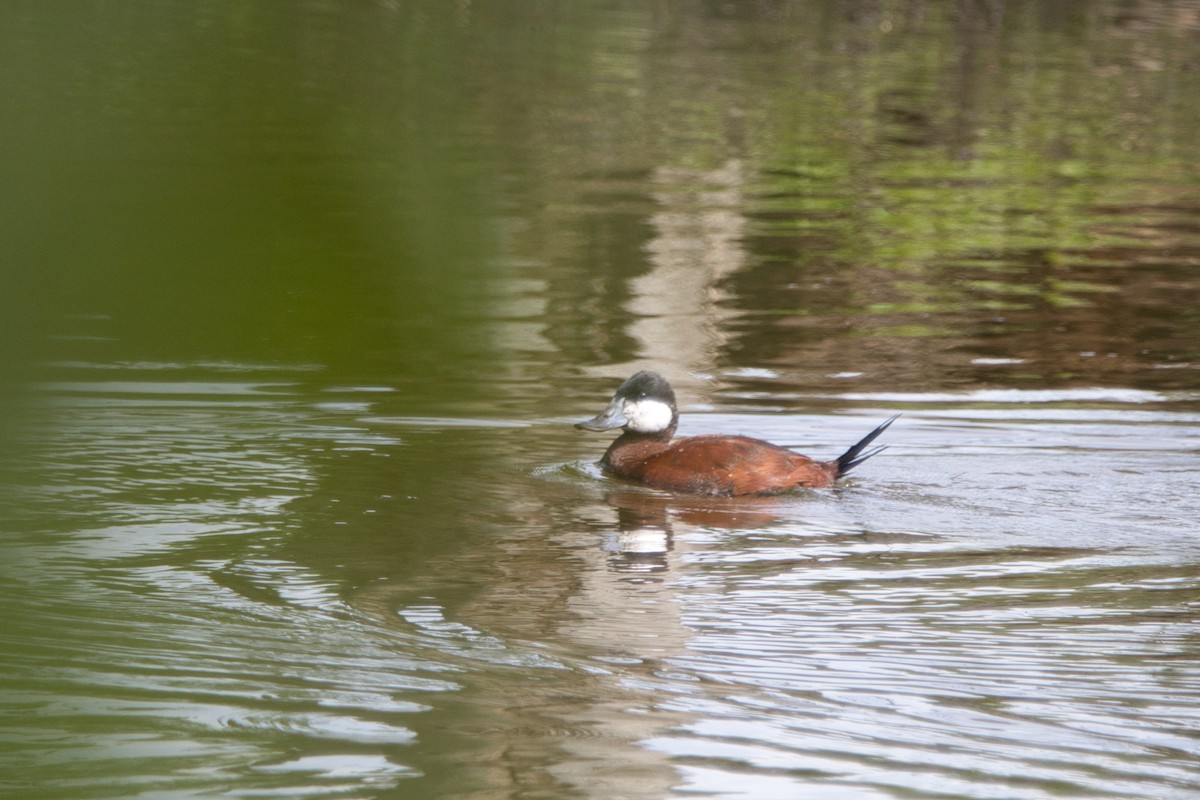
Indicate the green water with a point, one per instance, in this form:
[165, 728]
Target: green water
[297, 304]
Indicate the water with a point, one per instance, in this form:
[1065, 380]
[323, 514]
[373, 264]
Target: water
[298, 309]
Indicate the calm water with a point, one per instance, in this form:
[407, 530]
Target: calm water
[297, 305]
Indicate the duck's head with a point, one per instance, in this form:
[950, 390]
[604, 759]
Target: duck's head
[643, 404]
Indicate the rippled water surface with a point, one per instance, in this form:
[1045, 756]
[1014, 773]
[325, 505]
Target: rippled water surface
[297, 309]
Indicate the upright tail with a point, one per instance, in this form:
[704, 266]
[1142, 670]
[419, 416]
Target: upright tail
[855, 455]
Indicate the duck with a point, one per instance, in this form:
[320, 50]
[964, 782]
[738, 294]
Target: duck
[715, 465]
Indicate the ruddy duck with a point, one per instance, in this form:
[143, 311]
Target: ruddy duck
[644, 407]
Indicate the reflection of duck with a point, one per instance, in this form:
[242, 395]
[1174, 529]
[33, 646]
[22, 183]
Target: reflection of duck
[644, 407]
[644, 534]
[638, 509]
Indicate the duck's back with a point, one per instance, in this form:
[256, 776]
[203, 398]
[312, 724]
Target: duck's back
[718, 465]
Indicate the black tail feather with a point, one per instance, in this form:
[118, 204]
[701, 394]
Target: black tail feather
[855, 455]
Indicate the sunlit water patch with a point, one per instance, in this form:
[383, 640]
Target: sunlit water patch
[1002, 604]
[942, 672]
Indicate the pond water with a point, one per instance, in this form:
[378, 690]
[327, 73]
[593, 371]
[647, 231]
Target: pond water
[298, 306]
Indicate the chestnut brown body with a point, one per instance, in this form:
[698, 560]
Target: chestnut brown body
[644, 409]
[715, 465]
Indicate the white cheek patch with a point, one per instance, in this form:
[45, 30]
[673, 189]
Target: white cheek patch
[647, 416]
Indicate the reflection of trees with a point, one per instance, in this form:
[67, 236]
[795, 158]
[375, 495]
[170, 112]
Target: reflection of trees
[923, 191]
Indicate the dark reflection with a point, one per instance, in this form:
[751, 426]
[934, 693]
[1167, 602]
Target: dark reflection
[642, 507]
[643, 536]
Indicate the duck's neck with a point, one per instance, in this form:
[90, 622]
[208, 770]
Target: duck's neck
[632, 447]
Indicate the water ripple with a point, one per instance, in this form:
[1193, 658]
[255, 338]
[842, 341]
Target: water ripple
[1061, 662]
